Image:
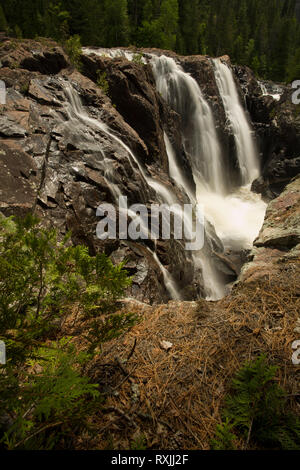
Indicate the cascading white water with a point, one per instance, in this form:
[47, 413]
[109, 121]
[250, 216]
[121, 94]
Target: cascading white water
[237, 217]
[200, 138]
[76, 111]
[201, 143]
[170, 284]
[245, 144]
[114, 53]
[273, 91]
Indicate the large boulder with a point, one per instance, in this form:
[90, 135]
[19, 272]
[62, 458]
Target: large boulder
[279, 238]
[43, 55]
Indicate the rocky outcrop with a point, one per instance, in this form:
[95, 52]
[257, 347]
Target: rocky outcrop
[43, 56]
[279, 240]
[133, 93]
[65, 149]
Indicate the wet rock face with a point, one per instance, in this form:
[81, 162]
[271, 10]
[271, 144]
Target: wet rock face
[131, 87]
[57, 158]
[279, 238]
[277, 125]
[133, 92]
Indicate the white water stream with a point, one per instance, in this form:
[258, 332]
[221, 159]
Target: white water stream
[77, 113]
[243, 134]
[237, 217]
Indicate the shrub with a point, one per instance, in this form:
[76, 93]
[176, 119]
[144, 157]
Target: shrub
[25, 88]
[51, 400]
[102, 82]
[139, 443]
[44, 392]
[255, 410]
[41, 277]
[138, 59]
[224, 439]
[73, 49]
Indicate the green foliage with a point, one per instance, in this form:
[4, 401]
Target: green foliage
[115, 23]
[256, 411]
[41, 277]
[3, 22]
[138, 59]
[55, 21]
[139, 443]
[294, 66]
[159, 26]
[168, 24]
[25, 88]
[107, 329]
[224, 439]
[73, 49]
[44, 391]
[263, 35]
[18, 32]
[51, 400]
[102, 82]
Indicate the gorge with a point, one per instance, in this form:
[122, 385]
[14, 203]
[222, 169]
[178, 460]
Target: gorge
[174, 130]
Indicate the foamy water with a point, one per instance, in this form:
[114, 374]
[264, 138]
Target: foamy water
[237, 218]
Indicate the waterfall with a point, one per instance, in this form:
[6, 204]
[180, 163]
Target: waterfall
[113, 53]
[170, 284]
[237, 217]
[201, 144]
[200, 138]
[273, 91]
[245, 144]
[76, 112]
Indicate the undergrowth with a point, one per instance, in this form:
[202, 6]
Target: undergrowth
[256, 411]
[46, 397]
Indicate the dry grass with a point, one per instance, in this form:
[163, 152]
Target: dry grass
[175, 398]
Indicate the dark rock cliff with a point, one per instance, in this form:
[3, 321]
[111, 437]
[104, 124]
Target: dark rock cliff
[64, 167]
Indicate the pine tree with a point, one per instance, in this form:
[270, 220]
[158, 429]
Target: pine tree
[168, 23]
[3, 22]
[44, 390]
[256, 411]
[116, 23]
[189, 26]
[186, 26]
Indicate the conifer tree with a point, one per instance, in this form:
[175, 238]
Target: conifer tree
[256, 411]
[3, 22]
[168, 23]
[44, 390]
[211, 27]
[116, 23]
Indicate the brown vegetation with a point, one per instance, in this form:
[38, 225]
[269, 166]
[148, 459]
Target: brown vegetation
[174, 398]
